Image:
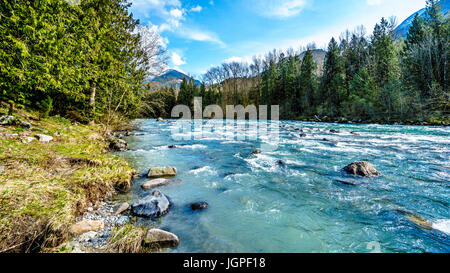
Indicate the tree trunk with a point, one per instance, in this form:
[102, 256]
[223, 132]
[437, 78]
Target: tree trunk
[92, 99]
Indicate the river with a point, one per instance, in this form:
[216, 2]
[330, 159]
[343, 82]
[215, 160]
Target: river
[306, 204]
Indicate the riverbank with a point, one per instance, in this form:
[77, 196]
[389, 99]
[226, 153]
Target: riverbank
[53, 171]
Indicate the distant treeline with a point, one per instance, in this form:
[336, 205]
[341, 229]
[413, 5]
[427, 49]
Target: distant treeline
[84, 59]
[381, 78]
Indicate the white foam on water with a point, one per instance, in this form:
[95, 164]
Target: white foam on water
[194, 147]
[206, 169]
[442, 225]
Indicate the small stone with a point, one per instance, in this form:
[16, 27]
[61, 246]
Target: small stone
[362, 169]
[25, 125]
[256, 152]
[2, 169]
[120, 208]
[44, 138]
[28, 139]
[160, 119]
[334, 131]
[156, 238]
[199, 205]
[87, 226]
[90, 209]
[162, 172]
[122, 220]
[86, 237]
[172, 146]
[281, 162]
[355, 133]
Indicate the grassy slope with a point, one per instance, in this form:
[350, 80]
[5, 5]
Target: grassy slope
[44, 186]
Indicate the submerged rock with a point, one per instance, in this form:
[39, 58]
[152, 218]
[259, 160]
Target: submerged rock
[199, 205]
[334, 131]
[256, 152]
[160, 119]
[152, 206]
[159, 182]
[157, 238]
[362, 169]
[355, 133]
[87, 226]
[44, 138]
[161, 172]
[172, 147]
[281, 162]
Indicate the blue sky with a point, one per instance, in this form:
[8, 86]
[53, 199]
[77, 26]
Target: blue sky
[205, 33]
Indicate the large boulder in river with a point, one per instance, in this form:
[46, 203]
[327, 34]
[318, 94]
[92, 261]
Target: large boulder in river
[161, 172]
[153, 206]
[362, 169]
[157, 238]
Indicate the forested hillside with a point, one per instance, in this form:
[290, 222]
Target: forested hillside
[86, 60]
[364, 78]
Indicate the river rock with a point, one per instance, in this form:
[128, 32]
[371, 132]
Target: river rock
[171, 146]
[120, 208]
[25, 125]
[87, 226]
[425, 224]
[256, 152]
[44, 138]
[160, 119]
[161, 172]
[199, 205]
[281, 162]
[154, 205]
[7, 120]
[156, 183]
[362, 169]
[334, 131]
[122, 220]
[118, 145]
[157, 238]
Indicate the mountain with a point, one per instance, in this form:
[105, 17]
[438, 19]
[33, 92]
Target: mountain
[173, 78]
[403, 29]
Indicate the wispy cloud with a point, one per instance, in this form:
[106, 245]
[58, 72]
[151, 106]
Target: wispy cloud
[373, 2]
[196, 9]
[279, 8]
[201, 36]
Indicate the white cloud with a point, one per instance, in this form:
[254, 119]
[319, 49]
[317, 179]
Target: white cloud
[246, 59]
[176, 13]
[177, 60]
[279, 8]
[196, 9]
[201, 36]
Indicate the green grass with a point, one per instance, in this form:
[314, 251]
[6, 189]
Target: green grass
[46, 185]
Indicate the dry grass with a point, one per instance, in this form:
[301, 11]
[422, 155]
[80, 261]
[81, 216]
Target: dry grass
[127, 239]
[45, 186]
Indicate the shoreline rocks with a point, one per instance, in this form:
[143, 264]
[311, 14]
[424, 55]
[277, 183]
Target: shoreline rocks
[157, 238]
[152, 206]
[118, 145]
[160, 172]
[120, 208]
[364, 169]
[86, 226]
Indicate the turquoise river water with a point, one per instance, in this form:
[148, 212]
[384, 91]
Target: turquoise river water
[307, 204]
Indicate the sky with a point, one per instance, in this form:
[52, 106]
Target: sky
[205, 33]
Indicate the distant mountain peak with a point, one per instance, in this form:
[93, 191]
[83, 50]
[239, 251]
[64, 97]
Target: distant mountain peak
[403, 29]
[173, 77]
